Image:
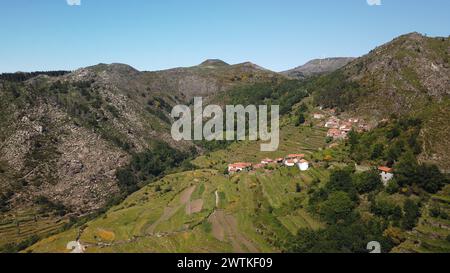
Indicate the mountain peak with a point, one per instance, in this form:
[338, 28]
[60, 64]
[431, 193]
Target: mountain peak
[318, 66]
[251, 66]
[113, 67]
[214, 62]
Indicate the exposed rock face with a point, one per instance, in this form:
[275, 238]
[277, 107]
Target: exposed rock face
[409, 76]
[64, 137]
[58, 160]
[412, 63]
[317, 67]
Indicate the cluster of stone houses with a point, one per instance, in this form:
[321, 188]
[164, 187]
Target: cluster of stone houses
[291, 160]
[339, 129]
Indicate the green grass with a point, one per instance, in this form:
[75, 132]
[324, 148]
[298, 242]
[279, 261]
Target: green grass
[292, 140]
[134, 225]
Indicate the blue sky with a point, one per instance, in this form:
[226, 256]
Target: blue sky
[160, 34]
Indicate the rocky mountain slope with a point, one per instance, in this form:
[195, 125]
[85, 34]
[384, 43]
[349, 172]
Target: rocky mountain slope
[65, 135]
[317, 67]
[409, 76]
[207, 79]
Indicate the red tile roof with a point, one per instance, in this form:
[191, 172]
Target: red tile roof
[295, 156]
[385, 169]
[240, 165]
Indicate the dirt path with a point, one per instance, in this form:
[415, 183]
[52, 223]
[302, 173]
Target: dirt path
[225, 227]
[76, 247]
[185, 197]
[217, 199]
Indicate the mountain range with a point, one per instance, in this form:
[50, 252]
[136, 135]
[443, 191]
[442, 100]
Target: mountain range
[68, 139]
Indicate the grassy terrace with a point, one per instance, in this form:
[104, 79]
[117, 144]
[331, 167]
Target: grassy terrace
[292, 140]
[26, 224]
[432, 233]
[207, 211]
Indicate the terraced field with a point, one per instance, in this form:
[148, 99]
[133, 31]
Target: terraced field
[432, 235]
[26, 225]
[208, 211]
[181, 213]
[292, 140]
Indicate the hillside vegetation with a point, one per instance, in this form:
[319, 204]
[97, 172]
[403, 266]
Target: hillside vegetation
[87, 156]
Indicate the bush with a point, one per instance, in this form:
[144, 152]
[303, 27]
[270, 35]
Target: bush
[338, 207]
[388, 211]
[368, 181]
[412, 214]
[392, 187]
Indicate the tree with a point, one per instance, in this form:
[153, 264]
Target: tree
[412, 213]
[387, 210]
[393, 133]
[392, 187]
[353, 140]
[340, 180]
[395, 151]
[368, 181]
[338, 207]
[406, 170]
[301, 119]
[430, 178]
[377, 151]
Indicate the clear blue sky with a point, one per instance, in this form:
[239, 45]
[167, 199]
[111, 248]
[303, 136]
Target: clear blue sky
[160, 34]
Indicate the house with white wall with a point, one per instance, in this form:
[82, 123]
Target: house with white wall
[303, 165]
[289, 163]
[239, 167]
[386, 173]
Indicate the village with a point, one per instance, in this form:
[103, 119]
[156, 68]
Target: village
[295, 160]
[338, 129]
[289, 161]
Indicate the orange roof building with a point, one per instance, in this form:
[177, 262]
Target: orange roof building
[239, 167]
[266, 161]
[292, 156]
[385, 169]
[258, 166]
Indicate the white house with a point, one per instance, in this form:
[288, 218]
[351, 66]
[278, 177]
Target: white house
[289, 163]
[303, 165]
[238, 167]
[386, 174]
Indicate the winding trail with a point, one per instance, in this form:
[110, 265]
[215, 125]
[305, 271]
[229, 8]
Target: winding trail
[217, 199]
